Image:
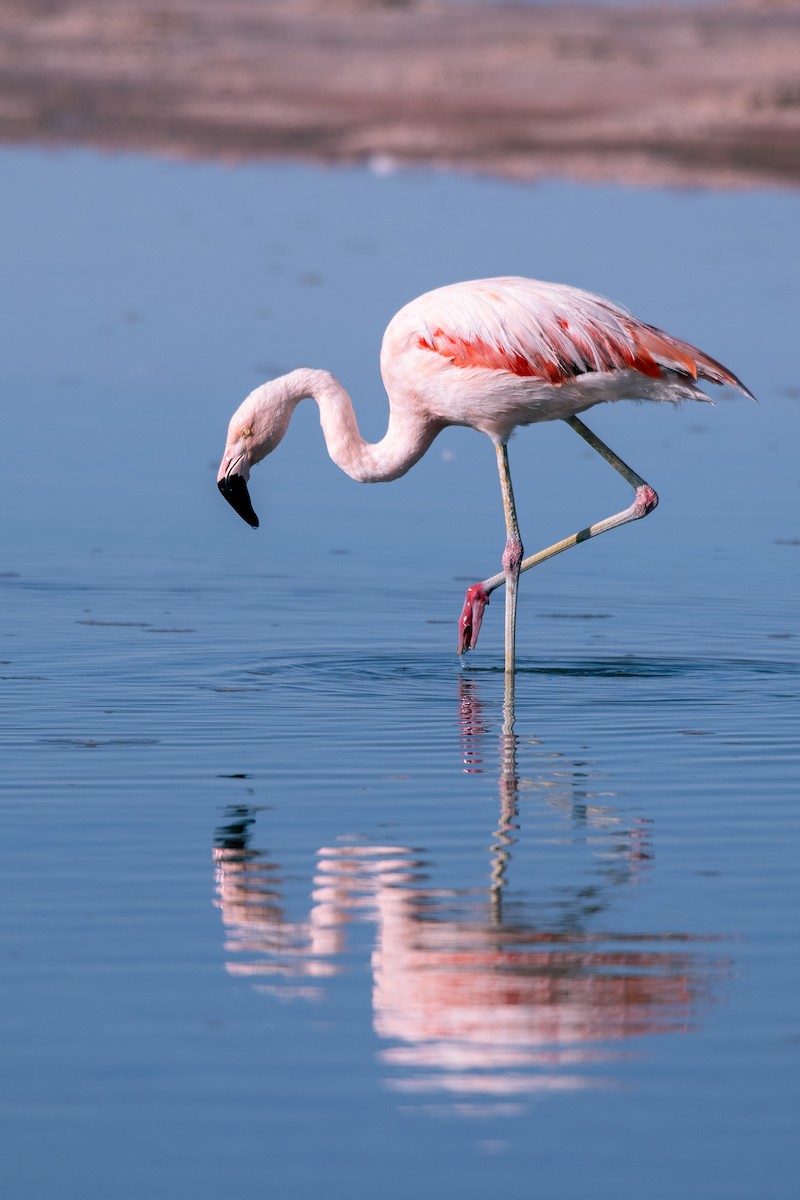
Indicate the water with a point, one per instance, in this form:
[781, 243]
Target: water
[289, 906]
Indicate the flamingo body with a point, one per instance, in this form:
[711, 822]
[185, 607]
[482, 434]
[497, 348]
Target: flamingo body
[492, 354]
[498, 353]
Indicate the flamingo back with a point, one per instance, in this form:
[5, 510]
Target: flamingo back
[548, 349]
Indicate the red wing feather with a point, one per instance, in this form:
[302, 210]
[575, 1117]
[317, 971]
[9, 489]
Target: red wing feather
[475, 352]
[573, 354]
[553, 334]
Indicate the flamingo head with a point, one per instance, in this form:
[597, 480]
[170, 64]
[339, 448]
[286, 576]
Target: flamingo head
[255, 430]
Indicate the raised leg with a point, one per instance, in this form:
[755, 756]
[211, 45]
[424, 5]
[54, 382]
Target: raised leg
[644, 502]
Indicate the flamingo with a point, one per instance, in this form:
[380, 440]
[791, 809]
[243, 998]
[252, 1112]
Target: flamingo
[492, 354]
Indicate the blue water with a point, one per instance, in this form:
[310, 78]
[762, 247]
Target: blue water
[295, 903]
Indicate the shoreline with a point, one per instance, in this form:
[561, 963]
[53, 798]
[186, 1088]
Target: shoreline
[657, 95]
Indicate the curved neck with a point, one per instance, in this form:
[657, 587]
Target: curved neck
[408, 437]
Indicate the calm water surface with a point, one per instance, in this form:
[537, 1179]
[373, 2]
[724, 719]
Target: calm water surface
[289, 907]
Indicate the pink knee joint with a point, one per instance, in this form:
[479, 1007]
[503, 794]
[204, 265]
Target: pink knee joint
[512, 556]
[646, 500]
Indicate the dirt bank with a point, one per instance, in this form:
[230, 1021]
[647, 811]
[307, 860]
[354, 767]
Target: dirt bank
[707, 95]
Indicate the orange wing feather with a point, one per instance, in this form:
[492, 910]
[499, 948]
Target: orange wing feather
[475, 352]
[555, 334]
[603, 351]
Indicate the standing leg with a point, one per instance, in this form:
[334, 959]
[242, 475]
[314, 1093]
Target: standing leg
[512, 555]
[644, 502]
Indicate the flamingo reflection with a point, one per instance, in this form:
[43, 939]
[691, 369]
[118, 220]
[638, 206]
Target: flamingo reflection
[471, 995]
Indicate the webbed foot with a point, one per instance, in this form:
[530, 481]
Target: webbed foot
[469, 623]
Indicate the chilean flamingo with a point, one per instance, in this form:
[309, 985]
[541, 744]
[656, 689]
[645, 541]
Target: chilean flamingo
[492, 354]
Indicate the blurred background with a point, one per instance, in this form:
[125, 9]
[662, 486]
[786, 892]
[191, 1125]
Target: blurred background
[652, 93]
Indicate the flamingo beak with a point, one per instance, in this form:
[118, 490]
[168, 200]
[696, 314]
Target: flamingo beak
[232, 479]
[234, 489]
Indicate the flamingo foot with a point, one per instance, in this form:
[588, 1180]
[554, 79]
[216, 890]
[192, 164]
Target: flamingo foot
[469, 623]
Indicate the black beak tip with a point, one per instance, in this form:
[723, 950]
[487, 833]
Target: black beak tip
[234, 489]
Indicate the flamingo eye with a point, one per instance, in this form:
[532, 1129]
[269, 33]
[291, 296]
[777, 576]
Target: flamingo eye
[246, 433]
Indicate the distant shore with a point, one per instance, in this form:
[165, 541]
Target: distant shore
[695, 96]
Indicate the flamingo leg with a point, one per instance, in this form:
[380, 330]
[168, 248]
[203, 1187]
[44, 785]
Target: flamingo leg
[645, 500]
[512, 554]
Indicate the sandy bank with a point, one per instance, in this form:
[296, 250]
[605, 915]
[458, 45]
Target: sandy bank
[709, 95]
